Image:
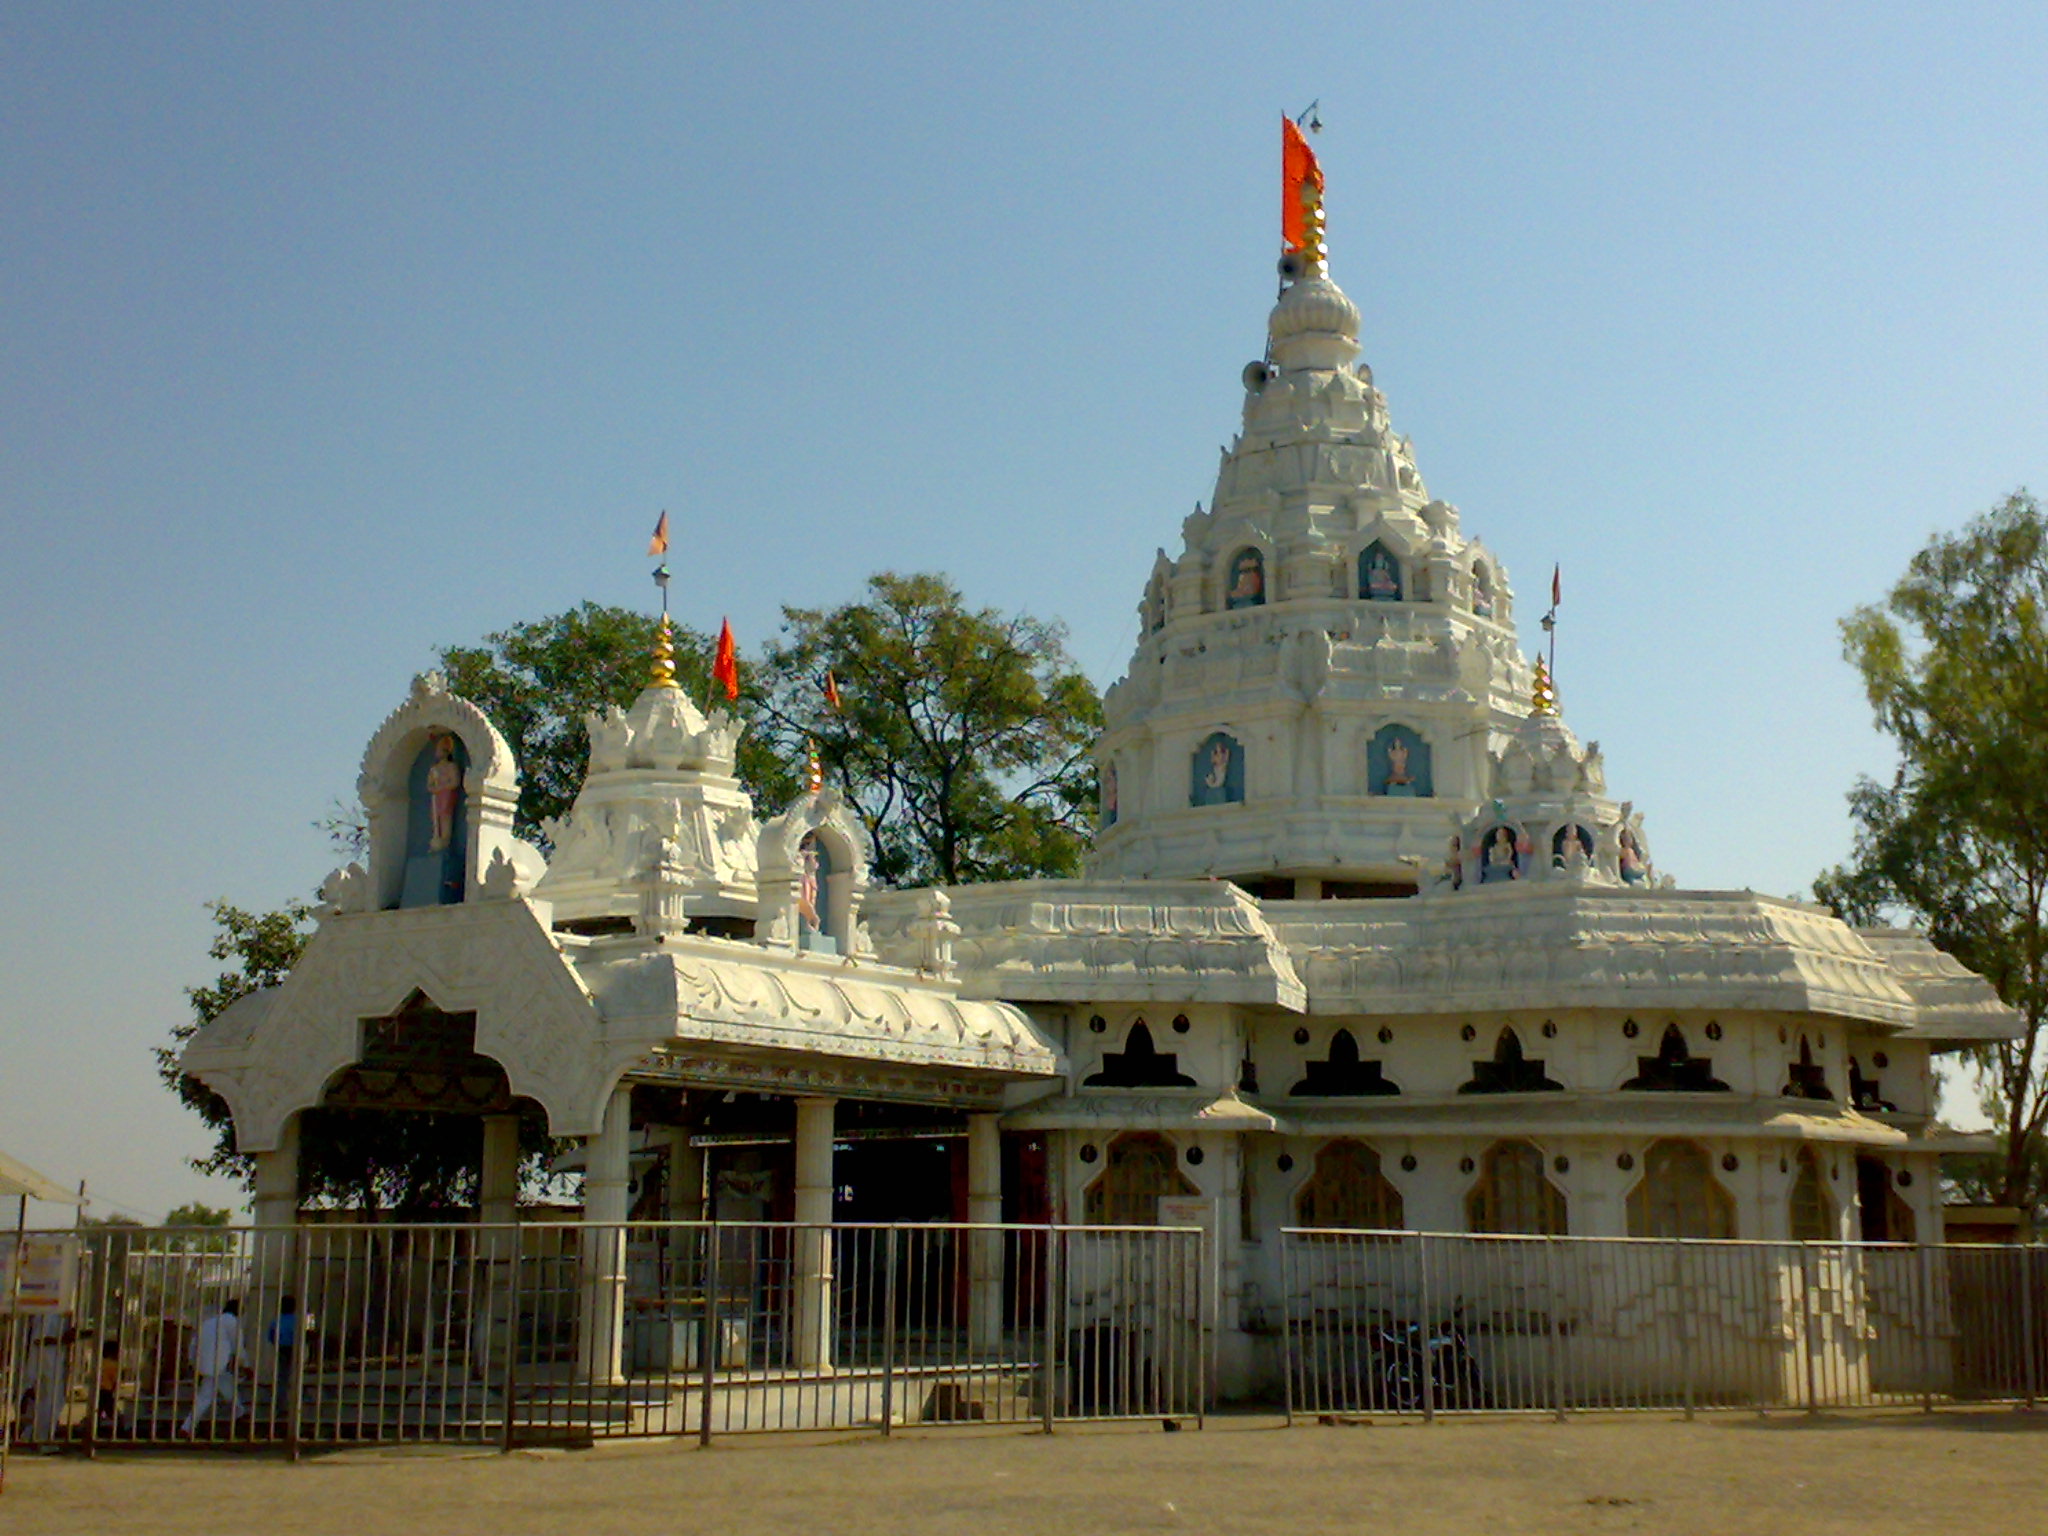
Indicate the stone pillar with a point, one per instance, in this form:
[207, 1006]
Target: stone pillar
[606, 1174]
[498, 1188]
[985, 1209]
[496, 1312]
[813, 1243]
[276, 1206]
[684, 1190]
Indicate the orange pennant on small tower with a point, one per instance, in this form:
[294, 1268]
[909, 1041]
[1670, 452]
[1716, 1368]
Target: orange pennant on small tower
[725, 666]
[1298, 169]
[658, 545]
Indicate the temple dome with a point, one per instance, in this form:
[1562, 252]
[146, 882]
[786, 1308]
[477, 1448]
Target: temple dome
[1315, 325]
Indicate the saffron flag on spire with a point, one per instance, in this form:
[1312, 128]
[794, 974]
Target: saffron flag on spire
[1556, 585]
[830, 688]
[725, 666]
[1298, 169]
[658, 545]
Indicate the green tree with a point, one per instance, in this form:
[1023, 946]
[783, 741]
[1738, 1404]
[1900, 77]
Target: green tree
[963, 735]
[1955, 663]
[538, 681]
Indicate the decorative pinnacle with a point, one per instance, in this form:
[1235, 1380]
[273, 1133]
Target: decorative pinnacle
[814, 770]
[1542, 692]
[664, 673]
[1312, 254]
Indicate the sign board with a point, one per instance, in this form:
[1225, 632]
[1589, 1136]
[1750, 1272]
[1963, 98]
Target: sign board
[47, 1265]
[1188, 1211]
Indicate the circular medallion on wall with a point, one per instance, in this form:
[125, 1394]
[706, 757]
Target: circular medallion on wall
[1386, 1035]
[1407, 1162]
[1301, 1037]
[1180, 1024]
[1195, 1156]
[1729, 1162]
[1713, 1029]
[1905, 1179]
[1561, 1163]
[1630, 1029]
[1880, 1060]
[1468, 1033]
[1549, 1030]
[1097, 1024]
[1285, 1162]
[1088, 1152]
[1626, 1161]
[1466, 1165]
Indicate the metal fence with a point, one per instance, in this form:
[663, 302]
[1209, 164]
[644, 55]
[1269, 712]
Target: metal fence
[569, 1332]
[1404, 1322]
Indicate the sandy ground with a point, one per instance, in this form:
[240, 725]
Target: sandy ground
[1885, 1476]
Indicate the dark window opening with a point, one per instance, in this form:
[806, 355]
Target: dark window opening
[1138, 1065]
[1808, 1080]
[1674, 1069]
[1509, 1071]
[1343, 1075]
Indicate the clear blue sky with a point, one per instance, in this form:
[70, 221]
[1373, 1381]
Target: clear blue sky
[337, 333]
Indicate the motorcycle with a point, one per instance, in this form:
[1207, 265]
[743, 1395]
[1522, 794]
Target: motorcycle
[1412, 1365]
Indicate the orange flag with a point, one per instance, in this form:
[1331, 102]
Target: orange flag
[832, 699]
[658, 545]
[725, 667]
[1298, 168]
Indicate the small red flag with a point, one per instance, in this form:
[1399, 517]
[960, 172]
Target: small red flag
[658, 545]
[1556, 585]
[1298, 168]
[832, 699]
[725, 667]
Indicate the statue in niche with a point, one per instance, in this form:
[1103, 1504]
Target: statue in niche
[1247, 587]
[1482, 592]
[1572, 849]
[1218, 771]
[1865, 1092]
[436, 830]
[1501, 856]
[444, 791]
[1635, 869]
[1808, 1079]
[1379, 577]
[1109, 794]
[1397, 764]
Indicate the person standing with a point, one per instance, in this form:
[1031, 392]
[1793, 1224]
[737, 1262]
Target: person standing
[283, 1336]
[216, 1358]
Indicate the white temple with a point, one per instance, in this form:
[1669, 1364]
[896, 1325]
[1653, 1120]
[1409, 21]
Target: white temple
[1365, 942]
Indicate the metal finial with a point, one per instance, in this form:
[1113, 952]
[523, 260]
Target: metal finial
[664, 673]
[1312, 253]
[1543, 692]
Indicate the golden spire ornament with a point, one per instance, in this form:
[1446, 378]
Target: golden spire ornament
[664, 673]
[1542, 692]
[814, 770]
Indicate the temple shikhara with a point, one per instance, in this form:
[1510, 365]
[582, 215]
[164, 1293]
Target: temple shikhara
[1368, 940]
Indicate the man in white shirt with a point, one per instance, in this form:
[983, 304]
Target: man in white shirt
[216, 1358]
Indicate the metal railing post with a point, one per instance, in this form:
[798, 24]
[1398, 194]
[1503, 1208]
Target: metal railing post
[302, 1339]
[1556, 1329]
[1287, 1352]
[1927, 1329]
[1806, 1323]
[1686, 1318]
[507, 1438]
[889, 1329]
[2028, 1364]
[1424, 1332]
[710, 1336]
[1048, 1359]
[1207, 1339]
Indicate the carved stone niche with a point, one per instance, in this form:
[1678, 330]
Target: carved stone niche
[813, 877]
[489, 793]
